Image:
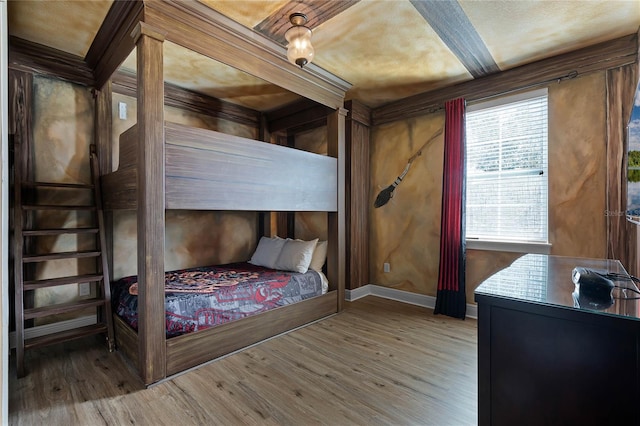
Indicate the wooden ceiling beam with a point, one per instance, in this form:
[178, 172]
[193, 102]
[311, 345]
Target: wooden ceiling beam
[36, 58]
[317, 11]
[602, 56]
[455, 29]
[113, 42]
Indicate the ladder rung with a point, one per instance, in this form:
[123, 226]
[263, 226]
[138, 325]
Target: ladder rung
[28, 258]
[63, 336]
[33, 208]
[58, 185]
[55, 207]
[35, 284]
[62, 308]
[59, 231]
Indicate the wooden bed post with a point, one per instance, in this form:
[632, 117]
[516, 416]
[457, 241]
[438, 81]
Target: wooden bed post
[357, 132]
[151, 203]
[336, 252]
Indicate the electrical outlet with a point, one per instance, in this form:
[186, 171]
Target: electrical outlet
[122, 110]
[84, 289]
[387, 267]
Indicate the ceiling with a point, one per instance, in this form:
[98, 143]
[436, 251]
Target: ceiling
[386, 49]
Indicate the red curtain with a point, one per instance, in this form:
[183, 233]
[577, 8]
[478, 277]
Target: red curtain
[451, 297]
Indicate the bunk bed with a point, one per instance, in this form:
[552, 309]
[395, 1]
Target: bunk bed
[208, 170]
[165, 165]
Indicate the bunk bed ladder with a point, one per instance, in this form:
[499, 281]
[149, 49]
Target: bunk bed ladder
[94, 277]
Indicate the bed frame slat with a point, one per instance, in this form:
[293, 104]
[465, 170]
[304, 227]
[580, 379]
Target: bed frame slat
[190, 350]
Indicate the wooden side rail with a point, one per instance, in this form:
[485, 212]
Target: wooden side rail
[208, 170]
[120, 188]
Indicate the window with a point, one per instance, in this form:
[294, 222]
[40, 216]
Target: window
[506, 164]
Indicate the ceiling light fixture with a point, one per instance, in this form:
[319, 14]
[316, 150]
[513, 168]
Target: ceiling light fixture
[299, 49]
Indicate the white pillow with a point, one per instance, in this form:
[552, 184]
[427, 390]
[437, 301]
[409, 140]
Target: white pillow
[267, 252]
[296, 255]
[319, 256]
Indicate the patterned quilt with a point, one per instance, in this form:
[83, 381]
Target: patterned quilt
[203, 297]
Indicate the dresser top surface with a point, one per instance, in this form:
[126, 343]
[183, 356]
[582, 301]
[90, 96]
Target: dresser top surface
[547, 280]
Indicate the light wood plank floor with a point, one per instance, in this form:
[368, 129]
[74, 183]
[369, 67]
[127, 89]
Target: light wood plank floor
[379, 362]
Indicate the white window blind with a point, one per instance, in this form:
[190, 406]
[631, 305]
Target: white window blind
[506, 163]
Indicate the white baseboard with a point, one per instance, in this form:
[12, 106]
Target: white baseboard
[401, 296]
[43, 330]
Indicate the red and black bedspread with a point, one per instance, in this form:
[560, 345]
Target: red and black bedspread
[203, 297]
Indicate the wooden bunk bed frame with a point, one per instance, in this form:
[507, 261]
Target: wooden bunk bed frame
[170, 166]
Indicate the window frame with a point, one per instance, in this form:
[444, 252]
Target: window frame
[504, 244]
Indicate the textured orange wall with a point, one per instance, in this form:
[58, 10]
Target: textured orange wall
[406, 232]
[62, 132]
[578, 167]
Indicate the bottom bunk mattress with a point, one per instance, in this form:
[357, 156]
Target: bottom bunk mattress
[203, 297]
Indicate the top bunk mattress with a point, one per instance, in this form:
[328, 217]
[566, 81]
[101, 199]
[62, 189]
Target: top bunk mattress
[204, 297]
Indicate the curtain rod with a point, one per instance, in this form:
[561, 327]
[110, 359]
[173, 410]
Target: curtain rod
[569, 76]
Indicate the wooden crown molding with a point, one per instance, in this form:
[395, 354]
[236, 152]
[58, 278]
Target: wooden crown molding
[301, 115]
[125, 83]
[113, 42]
[358, 112]
[36, 58]
[197, 27]
[111, 46]
[142, 29]
[306, 115]
[610, 54]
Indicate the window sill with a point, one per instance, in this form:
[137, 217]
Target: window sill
[511, 246]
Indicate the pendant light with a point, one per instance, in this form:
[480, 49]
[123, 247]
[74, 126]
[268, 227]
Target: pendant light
[299, 49]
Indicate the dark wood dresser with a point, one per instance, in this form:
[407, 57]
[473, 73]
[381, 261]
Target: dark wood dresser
[549, 356]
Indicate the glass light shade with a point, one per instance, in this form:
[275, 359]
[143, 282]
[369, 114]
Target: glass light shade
[299, 50]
